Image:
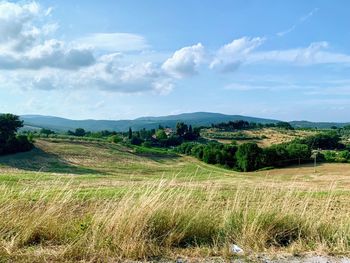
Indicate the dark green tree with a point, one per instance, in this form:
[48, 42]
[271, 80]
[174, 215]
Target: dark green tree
[181, 129]
[284, 125]
[46, 132]
[161, 135]
[79, 132]
[9, 124]
[130, 133]
[248, 157]
[9, 141]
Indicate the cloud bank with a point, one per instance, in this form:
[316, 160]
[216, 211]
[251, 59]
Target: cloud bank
[31, 53]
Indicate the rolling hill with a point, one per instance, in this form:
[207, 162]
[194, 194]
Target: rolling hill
[195, 119]
[33, 122]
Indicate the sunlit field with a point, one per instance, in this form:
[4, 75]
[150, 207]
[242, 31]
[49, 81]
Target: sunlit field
[97, 201]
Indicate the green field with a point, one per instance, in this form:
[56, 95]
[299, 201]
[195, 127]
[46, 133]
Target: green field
[99, 202]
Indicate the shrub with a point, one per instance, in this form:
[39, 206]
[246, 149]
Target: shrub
[114, 139]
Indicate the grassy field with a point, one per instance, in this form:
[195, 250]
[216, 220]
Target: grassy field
[99, 202]
[263, 137]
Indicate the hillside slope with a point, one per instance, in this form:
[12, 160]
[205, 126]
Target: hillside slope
[195, 119]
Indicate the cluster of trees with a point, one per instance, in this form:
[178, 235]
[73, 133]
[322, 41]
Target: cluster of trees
[245, 125]
[10, 142]
[342, 156]
[164, 137]
[250, 157]
[324, 140]
[80, 132]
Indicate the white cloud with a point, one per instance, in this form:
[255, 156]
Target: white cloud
[113, 42]
[112, 74]
[185, 61]
[52, 53]
[243, 51]
[315, 53]
[25, 44]
[19, 24]
[31, 59]
[300, 21]
[229, 57]
[246, 87]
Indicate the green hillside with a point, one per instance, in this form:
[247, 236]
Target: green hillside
[195, 119]
[78, 201]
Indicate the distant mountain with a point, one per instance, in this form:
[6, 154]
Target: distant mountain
[33, 122]
[195, 119]
[320, 125]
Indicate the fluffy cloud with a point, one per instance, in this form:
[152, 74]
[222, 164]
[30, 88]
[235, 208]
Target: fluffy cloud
[229, 57]
[21, 25]
[25, 43]
[52, 53]
[29, 55]
[111, 74]
[185, 62]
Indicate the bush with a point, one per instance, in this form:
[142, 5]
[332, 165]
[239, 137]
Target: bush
[336, 157]
[114, 139]
[147, 144]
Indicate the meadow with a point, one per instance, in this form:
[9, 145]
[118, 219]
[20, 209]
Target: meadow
[81, 201]
[264, 137]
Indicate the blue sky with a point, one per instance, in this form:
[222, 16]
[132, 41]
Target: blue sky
[286, 60]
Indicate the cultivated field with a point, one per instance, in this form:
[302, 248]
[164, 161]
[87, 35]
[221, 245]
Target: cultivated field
[263, 137]
[99, 202]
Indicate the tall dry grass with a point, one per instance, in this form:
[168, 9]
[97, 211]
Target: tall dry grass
[164, 220]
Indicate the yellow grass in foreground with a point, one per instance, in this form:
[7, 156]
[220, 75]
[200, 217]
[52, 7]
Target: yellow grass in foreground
[42, 223]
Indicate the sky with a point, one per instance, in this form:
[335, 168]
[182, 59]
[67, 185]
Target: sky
[123, 59]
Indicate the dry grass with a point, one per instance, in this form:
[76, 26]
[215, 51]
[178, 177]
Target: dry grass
[160, 220]
[269, 136]
[101, 203]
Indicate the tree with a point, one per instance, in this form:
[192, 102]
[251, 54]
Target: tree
[136, 140]
[209, 155]
[325, 141]
[46, 132]
[181, 129]
[80, 132]
[130, 133]
[248, 157]
[298, 150]
[284, 125]
[114, 139]
[192, 134]
[190, 129]
[198, 151]
[161, 135]
[9, 124]
[9, 142]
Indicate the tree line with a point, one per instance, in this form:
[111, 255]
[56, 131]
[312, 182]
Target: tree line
[10, 141]
[250, 157]
[245, 125]
[245, 157]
